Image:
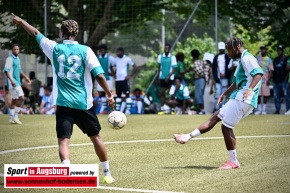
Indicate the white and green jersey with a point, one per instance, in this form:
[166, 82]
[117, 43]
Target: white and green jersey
[181, 94]
[106, 62]
[166, 63]
[248, 67]
[72, 65]
[13, 67]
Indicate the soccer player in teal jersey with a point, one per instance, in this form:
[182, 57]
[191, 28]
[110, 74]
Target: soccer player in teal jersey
[72, 65]
[166, 68]
[13, 72]
[106, 62]
[243, 92]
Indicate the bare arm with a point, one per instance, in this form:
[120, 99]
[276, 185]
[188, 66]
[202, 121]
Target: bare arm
[30, 29]
[132, 72]
[227, 92]
[25, 77]
[10, 78]
[103, 83]
[255, 81]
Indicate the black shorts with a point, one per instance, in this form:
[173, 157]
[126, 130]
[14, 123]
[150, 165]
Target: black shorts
[164, 84]
[179, 102]
[86, 120]
[122, 86]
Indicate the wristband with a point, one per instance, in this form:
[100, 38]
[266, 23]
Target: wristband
[110, 98]
[250, 89]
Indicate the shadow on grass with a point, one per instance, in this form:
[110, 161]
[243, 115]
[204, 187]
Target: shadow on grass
[192, 167]
[1, 184]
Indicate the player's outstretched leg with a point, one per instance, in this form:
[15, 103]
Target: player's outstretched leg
[63, 150]
[230, 141]
[101, 152]
[203, 128]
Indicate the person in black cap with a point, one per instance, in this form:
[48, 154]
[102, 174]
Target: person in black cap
[266, 64]
[279, 76]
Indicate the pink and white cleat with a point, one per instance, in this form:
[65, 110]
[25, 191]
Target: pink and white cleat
[230, 165]
[181, 138]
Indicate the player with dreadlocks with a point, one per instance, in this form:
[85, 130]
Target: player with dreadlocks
[243, 99]
[72, 65]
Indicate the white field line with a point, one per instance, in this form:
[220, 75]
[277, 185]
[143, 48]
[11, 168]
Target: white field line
[138, 141]
[285, 123]
[134, 190]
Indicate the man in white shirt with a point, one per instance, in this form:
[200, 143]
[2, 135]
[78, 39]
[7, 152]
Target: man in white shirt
[122, 77]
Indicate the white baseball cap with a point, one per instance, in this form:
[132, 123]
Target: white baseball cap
[221, 46]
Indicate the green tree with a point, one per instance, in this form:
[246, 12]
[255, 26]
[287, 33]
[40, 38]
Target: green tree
[96, 18]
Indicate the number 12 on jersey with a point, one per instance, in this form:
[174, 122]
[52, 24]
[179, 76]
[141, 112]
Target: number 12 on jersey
[74, 61]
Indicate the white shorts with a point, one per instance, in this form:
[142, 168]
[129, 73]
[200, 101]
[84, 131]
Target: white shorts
[110, 83]
[233, 111]
[16, 92]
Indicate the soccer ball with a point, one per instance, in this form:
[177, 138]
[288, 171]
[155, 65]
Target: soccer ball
[117, 120]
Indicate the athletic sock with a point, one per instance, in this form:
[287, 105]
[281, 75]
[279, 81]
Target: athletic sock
[123, 106]
[128, 104]
[106, 168]
[118, 104]
[233, 156]
[12, 113]
[104, 104]
[259, 107]
[194, 133]
[162, 108]
[264, 107]
[139, 106]
[65, 162]
[17, 109]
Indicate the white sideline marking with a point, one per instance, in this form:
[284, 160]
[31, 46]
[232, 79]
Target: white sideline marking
[137, 141]
[285, 123]
[134, 190]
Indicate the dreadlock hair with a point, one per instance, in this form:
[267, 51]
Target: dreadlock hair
[234, 41]
[69, 28]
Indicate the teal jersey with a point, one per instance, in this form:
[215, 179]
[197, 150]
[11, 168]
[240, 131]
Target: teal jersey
[106, 62]
[13, 67]
[166, 63]
[72, 65]
[247, 68]
[181, 94]
[179, 69]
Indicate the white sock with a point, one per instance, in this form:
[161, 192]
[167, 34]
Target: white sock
[118, 104]
[123, 106]
[233, 156]
[17, 110]
[139, 106]
[194, 133]
[12, 113]
[259, 107]
[264, 107]
[104, 104]
[65, 162]
[128, 104]
[162, 108]
[106, 168]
